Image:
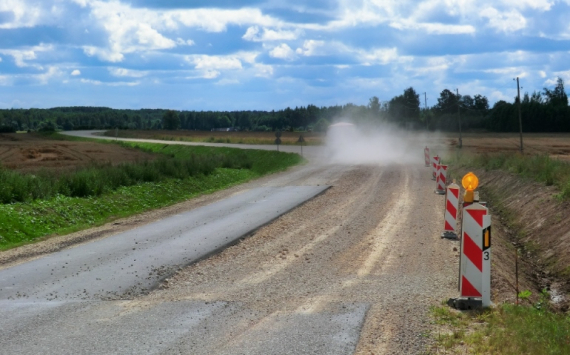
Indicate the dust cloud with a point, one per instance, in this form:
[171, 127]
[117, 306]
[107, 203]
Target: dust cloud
[348, 143]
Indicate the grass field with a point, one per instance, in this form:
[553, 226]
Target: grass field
[288, 138]
[41, 216]
[507, 330]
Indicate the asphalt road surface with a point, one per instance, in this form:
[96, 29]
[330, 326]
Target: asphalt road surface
[354, 269]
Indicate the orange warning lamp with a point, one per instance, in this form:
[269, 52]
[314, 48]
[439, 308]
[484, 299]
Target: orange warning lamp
[470, 183]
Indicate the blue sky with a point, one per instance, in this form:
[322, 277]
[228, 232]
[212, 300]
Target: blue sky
[271, 54]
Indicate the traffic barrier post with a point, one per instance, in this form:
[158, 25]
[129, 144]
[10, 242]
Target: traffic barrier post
[426, 155]
[475, 262]
[451, 208]
[471, 282]
[441, 179]
[434, 162]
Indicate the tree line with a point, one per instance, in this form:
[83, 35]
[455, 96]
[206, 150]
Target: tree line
[541, 111]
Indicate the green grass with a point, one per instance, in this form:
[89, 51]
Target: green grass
[32, 220]
[540, 168]
[505, 330]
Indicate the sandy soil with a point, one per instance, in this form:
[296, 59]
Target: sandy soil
[28, 152]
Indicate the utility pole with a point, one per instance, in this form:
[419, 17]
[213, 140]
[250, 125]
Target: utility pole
[520, 117]
[425, 110]
[459, 119]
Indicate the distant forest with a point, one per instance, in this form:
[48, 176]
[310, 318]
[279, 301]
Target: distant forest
[542, 111]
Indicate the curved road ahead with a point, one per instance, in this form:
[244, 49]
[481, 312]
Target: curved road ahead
[352, 270]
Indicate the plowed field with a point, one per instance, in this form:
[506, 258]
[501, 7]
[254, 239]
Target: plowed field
[28, 152]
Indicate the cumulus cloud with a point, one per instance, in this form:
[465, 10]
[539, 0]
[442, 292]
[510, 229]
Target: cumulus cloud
[181, 42]
[113, 83]
[282, 51]
[510, 21]
[402, 40]
[254, 34]
[24, 55]
[311, 48]
[433, 28]
[122, 72]
[103, 54]
[210, 67]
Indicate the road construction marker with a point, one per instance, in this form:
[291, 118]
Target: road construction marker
[426, 154]
[434, 162]
[441, 179]
[471, 282]
[475, 262]
[451, 208]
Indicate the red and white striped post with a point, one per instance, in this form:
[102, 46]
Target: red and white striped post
[472, 251]
[434, 162]
[426, 155]
[441, 179]
[475, 263]
[451, 208]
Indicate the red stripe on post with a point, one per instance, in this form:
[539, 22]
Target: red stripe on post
[448, 227]
[455, 192]
[473, 252]
[467, 289]
[477, 215]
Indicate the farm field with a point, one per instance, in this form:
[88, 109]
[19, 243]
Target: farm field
[288, 138]
[556, 145]
[30, 152]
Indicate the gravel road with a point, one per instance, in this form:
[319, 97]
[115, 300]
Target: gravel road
[353, 270]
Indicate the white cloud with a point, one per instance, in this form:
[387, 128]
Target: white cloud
[20, 14]
[312, 48]
[122, 72]
[103, 54]
[114, 83]
[263, 70]
[216, 62]
[181, 42]
[283, 51]
[253, 34]
[50, 73]
[210, 67]
[379, 56]
[504, 21]
[76, 72]
[433, 28]
[21, 56]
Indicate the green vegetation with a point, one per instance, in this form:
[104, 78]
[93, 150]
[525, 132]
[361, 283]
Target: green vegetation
[144, 186]
[540, 168]
[267, 138]
[99, 179]
[505, 330]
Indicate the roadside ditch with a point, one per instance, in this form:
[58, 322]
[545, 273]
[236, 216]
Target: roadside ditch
[528, 217]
